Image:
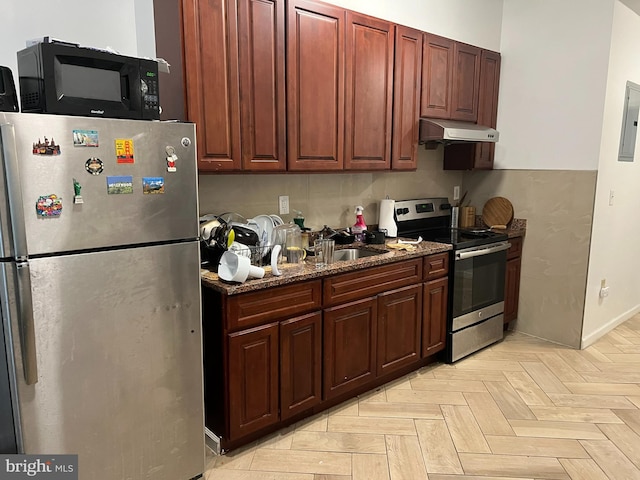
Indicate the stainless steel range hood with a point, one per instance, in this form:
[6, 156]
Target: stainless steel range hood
[449, 131]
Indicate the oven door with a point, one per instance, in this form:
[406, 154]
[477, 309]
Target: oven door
[478, 283]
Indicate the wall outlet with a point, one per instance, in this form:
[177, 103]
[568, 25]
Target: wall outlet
[456, 192]
[604, 290]
[283, 204]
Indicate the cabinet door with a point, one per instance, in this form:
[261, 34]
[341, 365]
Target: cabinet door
[262, 84]
[434, 316]
[437, 71]
[300, 364]
[349, 346]
[211, 77]
[399, 327]
[466, 79]
[488, 105]
[253, 379]
[369, 93]
[407, 75]
[512, 289]
[315, 86]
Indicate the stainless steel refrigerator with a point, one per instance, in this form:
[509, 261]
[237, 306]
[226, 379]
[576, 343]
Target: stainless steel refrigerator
[100, 295]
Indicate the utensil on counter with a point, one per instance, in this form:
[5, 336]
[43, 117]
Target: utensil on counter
[237, 268]
[497, 212]
[464, 195]
[287, 250]
[410, 242]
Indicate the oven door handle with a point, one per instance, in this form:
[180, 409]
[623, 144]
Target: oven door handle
[476, 252]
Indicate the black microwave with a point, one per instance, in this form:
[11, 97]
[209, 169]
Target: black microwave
[65, 79]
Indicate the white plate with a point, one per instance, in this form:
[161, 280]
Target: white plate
[276, 220]
[265, 225]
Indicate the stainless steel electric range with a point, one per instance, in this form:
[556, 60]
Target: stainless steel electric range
[476, 278]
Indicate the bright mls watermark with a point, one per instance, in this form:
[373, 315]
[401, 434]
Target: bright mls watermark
[49, 467]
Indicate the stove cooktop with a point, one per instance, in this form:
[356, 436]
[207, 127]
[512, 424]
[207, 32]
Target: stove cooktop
[463, 237]
[430, 218]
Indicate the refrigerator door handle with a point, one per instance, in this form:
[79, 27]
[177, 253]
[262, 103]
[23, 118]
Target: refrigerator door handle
[14, 191]
[26, 323]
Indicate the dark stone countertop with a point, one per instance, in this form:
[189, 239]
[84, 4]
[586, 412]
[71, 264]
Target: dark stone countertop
[210, 279]
[309, 271]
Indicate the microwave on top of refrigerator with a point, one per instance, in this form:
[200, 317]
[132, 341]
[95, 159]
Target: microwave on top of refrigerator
[65, 79]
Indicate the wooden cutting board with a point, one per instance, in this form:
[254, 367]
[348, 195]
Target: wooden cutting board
[497, 212]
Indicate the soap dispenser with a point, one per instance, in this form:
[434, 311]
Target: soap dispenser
[359, 227]
[299, 219]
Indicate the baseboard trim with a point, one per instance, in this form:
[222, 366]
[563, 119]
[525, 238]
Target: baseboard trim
[607, 327]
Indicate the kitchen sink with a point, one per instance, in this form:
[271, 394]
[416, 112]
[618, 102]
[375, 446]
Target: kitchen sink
[354, 254]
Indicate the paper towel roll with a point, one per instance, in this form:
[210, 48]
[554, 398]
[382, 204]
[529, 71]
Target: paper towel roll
[386, 220]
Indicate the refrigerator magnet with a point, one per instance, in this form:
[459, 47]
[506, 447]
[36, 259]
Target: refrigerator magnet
[77, 198]
[119, 184]
[171, 163]
[46, 147]
[94, 166]
[49, 206]
[85, 138]
[124, 150]
[171, 158]
[152, 185]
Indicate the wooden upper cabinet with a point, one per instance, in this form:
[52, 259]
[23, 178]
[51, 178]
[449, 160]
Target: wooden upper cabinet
[315, 86]
[450, 78]
[466, 79]
[437, 72]
[234, 49]
[488, 105]
[211, 78]
[468, 156]
[262, 84]
[369, 92]
[407, 75]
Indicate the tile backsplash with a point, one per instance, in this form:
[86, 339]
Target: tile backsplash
[326, 198]
[558, 207]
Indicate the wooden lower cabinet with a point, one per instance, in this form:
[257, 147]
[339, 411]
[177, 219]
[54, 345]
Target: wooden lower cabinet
[253, 379]
[434, 316]
[349, 346]
[275, 365]
[273, 356]
[300, 364]
[512, 279]
[399, 328]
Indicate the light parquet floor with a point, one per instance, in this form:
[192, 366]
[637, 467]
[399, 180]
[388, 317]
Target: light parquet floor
[521, 409]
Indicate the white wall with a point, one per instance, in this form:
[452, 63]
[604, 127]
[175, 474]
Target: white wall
[474, 22]
[615, 255]
[552, 83]
[92, 23]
